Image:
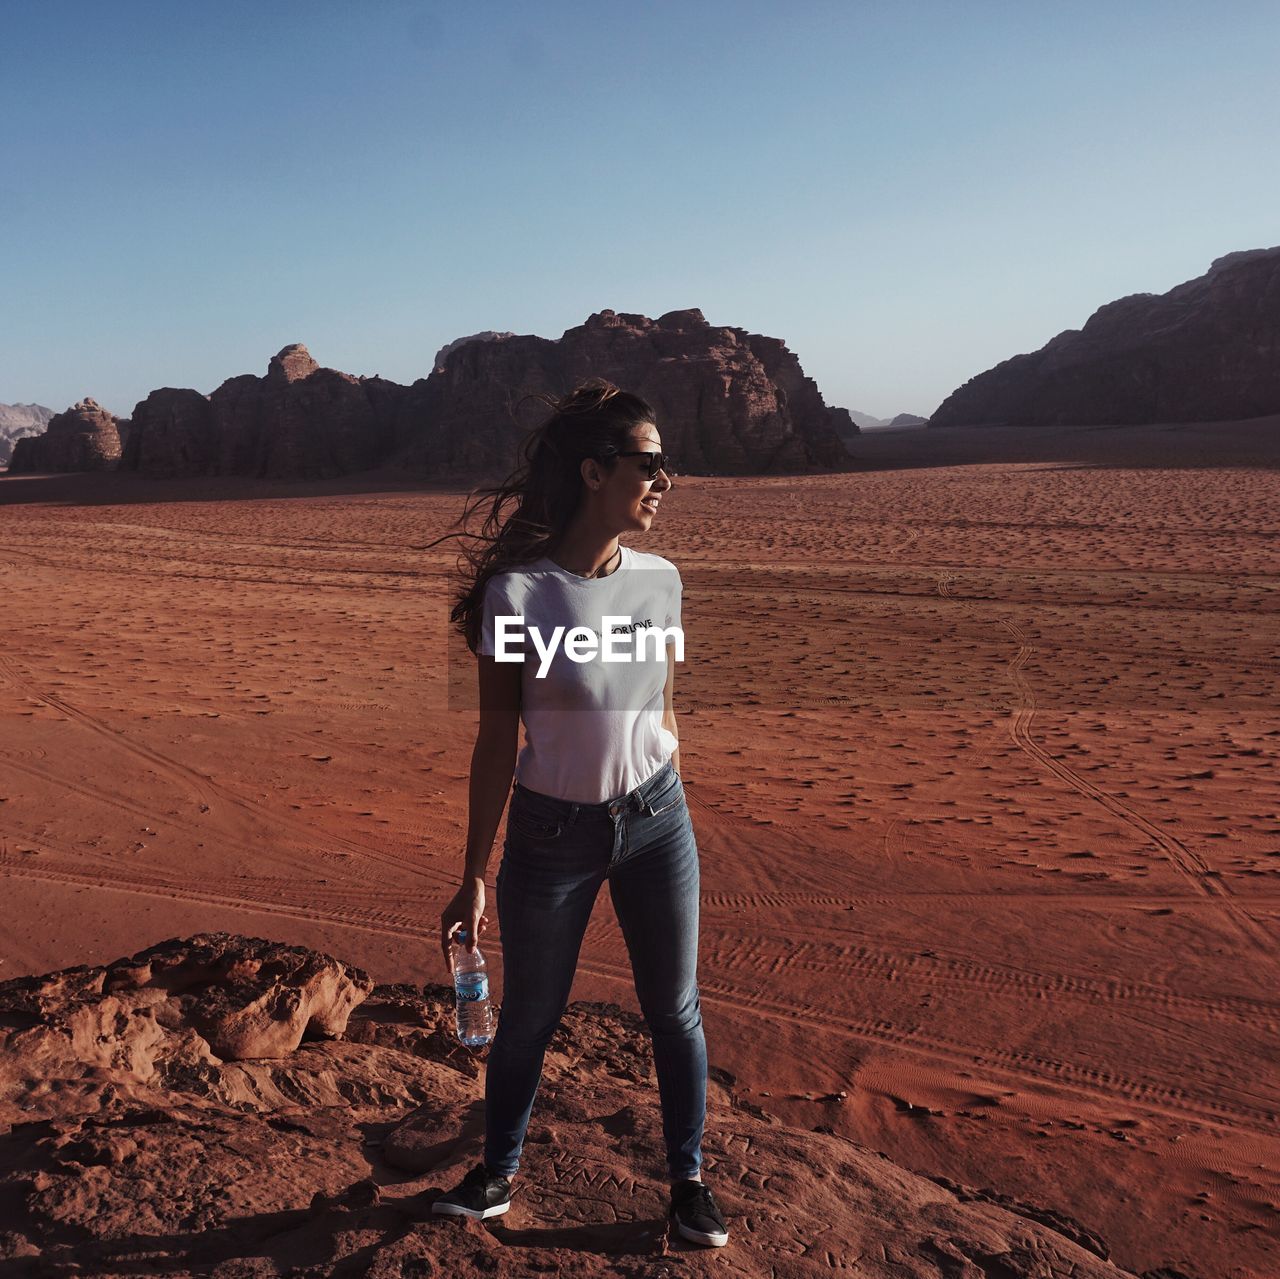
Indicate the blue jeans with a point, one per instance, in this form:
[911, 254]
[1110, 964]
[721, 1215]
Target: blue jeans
[556, 856]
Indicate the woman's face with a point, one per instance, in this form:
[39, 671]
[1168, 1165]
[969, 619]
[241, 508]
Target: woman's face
[628, 499]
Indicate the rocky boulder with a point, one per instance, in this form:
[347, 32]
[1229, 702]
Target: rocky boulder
[202, 1001]
[129, 1145]
[1208, 350]
[83, 438]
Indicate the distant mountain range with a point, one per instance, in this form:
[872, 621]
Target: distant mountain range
[868, 423]
[18, 421]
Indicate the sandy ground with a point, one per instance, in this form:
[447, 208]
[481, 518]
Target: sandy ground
[984, 780]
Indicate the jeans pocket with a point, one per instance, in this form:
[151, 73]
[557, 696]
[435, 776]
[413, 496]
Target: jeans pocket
[668, 798]
[535, 820]
[535, 828]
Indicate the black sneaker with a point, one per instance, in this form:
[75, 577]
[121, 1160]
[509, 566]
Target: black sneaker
[480, 1194]
[698, 1217]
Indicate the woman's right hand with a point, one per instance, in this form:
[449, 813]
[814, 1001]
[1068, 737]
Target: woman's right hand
[466, 910]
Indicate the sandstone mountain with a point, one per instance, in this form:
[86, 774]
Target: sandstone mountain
[909, 419]
[230, 1106]
[300, 421]
[488, 335]
[1208, 350]
[17, 421]
[83, 438]
[728, 402]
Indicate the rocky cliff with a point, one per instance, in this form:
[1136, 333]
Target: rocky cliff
[487, 335]
[1207, 350]
[234, 1107]
[728, 402]
[18, 421]
[84, 438]
[300, 421]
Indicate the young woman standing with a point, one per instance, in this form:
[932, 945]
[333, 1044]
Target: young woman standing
[597, 793]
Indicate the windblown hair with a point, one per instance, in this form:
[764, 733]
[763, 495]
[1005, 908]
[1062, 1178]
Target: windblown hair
[529, 511]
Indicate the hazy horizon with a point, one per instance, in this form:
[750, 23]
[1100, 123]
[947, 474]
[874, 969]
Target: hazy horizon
[905, 198]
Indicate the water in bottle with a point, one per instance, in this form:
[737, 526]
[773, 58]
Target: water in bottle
[471, 985]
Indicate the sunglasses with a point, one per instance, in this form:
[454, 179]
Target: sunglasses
[657, 462]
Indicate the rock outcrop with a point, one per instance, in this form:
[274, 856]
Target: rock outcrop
[205, 1001]
[909, 419]
[300, 421]
[128, 1146]
[728, 402]
[83, 438]
[488, 335]
[1208, 350]
[18, 421]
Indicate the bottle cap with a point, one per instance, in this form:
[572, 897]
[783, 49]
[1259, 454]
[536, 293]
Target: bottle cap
[460, 935]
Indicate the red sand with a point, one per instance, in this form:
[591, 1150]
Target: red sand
[984, 783]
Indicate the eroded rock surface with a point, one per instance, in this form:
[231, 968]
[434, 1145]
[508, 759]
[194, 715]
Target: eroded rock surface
[128, 1145]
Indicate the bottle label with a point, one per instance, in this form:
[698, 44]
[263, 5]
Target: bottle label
[480, 990]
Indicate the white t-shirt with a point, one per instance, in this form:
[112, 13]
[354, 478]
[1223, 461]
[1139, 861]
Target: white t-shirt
[593, 729]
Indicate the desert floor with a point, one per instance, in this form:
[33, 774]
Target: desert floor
[980, 744]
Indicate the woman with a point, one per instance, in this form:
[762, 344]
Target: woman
[597, 793]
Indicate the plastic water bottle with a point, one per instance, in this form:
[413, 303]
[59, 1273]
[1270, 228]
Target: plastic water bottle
[471, 985]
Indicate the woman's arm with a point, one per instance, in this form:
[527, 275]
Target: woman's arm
[493, 760]
[668, 706]
[493, 763]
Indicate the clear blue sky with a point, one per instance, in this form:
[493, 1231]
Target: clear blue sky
[906, 193]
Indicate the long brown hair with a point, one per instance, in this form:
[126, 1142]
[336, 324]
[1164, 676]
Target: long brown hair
[595, 420]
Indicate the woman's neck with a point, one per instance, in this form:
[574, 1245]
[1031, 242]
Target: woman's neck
[585, 553]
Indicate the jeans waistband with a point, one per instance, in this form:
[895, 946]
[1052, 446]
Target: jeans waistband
[635, 800]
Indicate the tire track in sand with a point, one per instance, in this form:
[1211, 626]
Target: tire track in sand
[1188, 864]
[206, 791]
[173, 821]
[385, 922]
[1097, 1085]
[932, 970]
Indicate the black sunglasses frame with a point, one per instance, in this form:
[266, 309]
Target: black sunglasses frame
[659, 462]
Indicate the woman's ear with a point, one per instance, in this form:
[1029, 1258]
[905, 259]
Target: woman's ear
[592, 473]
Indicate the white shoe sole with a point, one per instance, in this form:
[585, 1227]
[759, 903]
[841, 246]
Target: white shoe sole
[457, 1210]
[717, 1240]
